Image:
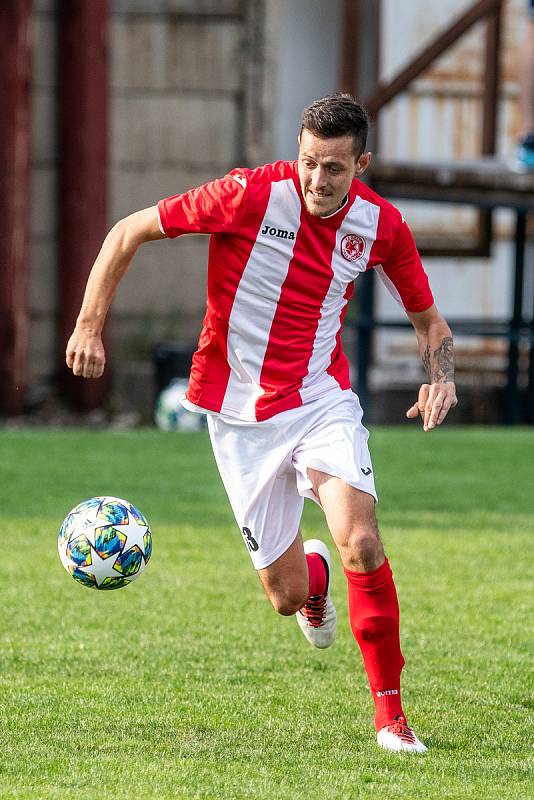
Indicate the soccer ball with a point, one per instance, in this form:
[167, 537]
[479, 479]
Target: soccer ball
[170, 415]
[105, 543]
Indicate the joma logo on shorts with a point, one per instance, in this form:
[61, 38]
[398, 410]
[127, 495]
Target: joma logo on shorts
[278, 232]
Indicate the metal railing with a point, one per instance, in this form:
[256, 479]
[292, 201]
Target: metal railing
[365, 18]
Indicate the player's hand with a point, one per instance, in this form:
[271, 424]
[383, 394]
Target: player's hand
[433, 404]
[85, 354]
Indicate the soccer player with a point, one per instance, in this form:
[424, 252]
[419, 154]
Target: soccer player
[288, 241]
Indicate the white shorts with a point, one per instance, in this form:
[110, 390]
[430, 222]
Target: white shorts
[264, 465]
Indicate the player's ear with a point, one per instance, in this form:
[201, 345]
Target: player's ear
[362, 163]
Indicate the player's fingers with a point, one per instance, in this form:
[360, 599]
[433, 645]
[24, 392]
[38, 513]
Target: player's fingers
[450, 402]
[98, 364]
[427, 411]
[88, 369]
[434, 393]
[91, 369]
[97, 371]
[78, 364]
[83, 365]
[435, 411]
[447, 404]
[419, 406]
[98, 368]
[413, 411]
[422, 399]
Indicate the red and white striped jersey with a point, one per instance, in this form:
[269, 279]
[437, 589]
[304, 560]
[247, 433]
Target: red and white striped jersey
[279, 280]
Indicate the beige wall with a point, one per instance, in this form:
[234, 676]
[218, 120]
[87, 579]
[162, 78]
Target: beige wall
[189, 90]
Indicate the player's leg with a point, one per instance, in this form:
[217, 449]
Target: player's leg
[351, 519]
[334, 469]
[298, 582]
[286, 581]
[373, 604]
[255, 465]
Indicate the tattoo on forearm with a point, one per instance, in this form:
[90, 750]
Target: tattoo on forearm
[440, 365]
[426, 360]
[443, 370]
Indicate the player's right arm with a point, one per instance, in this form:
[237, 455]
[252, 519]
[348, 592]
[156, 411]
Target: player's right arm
[215, 207]
[85, 354]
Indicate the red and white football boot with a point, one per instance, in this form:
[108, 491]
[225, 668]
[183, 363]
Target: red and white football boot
[398, 737]
[317, 619]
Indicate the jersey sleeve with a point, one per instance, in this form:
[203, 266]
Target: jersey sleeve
[214, 207]
[403, 273]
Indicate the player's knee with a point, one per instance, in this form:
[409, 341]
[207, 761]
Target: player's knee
[362, 550]
[288, 602]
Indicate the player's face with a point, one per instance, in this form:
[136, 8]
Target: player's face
[326, 169]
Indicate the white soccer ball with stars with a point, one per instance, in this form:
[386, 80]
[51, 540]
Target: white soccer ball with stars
[105, 543]
[170, 415]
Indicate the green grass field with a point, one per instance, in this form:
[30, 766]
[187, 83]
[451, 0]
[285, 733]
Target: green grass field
[188, 685]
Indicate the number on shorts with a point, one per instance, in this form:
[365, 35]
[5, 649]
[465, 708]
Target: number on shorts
[250, 540]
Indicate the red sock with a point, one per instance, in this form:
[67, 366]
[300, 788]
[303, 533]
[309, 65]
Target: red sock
[317, 573]
[374, 619]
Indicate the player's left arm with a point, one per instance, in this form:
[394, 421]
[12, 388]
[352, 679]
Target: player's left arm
[437, 354]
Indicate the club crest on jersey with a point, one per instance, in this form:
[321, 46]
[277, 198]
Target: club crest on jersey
[278, 232]
[352, 247]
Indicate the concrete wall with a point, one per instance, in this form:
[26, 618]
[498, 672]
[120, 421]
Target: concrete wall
[187, 102]
[177, 82]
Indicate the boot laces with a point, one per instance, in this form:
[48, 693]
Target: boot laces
[314, 610]
[399, 727]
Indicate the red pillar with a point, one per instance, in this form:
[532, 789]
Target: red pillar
[15, 115]
[83, 169]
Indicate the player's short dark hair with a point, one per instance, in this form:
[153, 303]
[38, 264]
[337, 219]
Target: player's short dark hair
[337, 115]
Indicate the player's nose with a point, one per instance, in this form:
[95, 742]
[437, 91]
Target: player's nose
[318, 179]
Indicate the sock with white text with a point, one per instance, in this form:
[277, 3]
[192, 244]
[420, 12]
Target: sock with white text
[374, 619]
